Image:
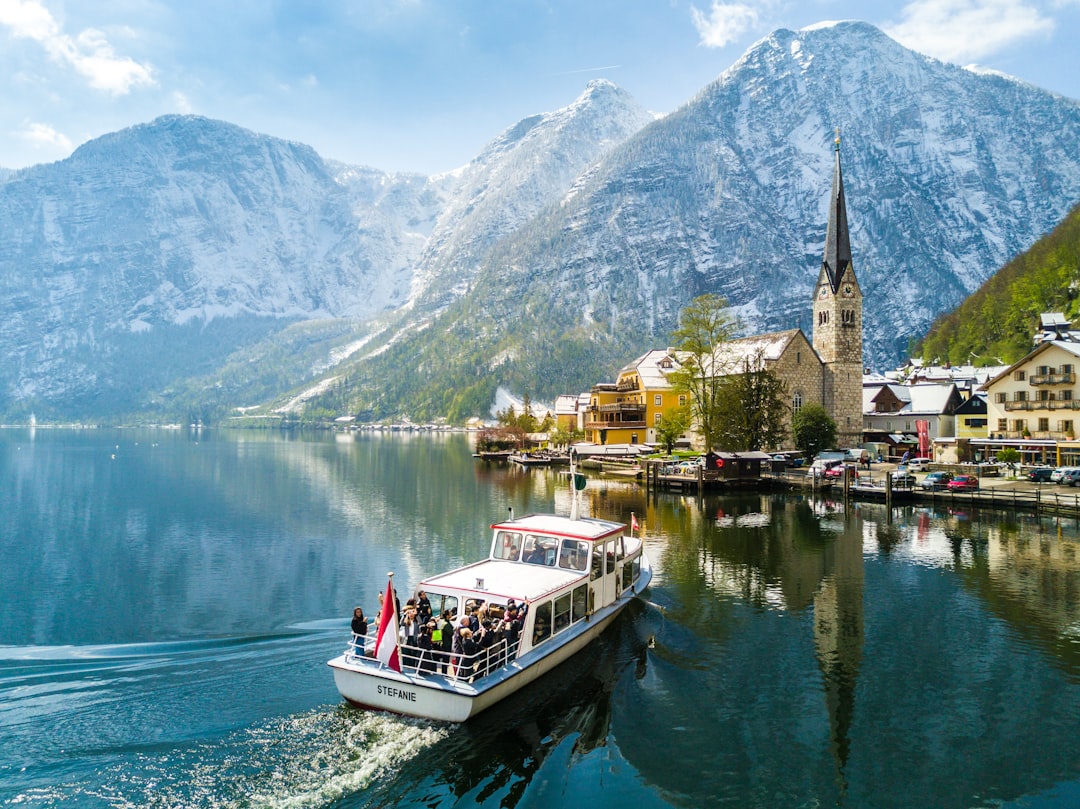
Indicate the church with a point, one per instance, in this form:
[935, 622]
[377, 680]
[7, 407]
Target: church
[827, 370]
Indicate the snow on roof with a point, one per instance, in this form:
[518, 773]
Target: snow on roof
[731, 357]
[566, 404]
[929, 399]
[650, 366]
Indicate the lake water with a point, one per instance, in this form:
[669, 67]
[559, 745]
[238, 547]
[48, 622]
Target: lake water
[168, 602]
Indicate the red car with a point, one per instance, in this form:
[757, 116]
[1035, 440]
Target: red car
[838, 471]
[963, 483]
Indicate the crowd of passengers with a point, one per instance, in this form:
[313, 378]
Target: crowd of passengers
[484, 637]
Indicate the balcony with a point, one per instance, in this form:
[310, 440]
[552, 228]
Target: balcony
[1052, 435]
[1052, 379]
[615, 425]
[1045, 404]
[617, 415]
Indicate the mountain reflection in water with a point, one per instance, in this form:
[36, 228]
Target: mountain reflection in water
[170, 600]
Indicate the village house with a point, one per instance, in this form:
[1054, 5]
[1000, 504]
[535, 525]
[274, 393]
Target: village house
[629, 410]
[1032, 406]
[825, 370]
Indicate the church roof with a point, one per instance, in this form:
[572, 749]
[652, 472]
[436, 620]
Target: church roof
[730, 357]
[837, 239]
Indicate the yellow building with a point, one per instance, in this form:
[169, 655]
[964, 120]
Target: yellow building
[629, 410]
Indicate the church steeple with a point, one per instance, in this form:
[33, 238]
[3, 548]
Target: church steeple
[837, 241]
[838, 319]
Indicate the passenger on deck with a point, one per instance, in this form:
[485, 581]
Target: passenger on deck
[423, 606]
[427, 653]
[359, 629]
[446, 630]
[485, 640]
[466, 665]
[410, 633]
[511, 630]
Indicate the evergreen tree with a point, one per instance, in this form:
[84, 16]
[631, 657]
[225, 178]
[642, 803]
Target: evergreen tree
[752, 408]
[813, 430]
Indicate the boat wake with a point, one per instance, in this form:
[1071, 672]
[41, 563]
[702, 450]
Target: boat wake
[306, 760]
[209, 723]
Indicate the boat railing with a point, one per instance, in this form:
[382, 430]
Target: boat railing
[430, 662]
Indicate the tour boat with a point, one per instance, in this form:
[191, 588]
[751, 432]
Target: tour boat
[571, 576]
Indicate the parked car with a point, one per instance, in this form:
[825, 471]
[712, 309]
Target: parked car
[936, 481]
[821, 466]
[918, 464]
[837, 471]
[962, 483]
[1059, 473]
[1040, 474]
[903, 479]
[1071, 477]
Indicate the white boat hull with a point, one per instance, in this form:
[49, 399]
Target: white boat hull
[365, 684]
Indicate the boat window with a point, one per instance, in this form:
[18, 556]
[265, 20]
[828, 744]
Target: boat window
[542, 623]
[610, 545]
[597, 561]
[440, 603]
[540, 550]
[562, 612]
[580, 603]
[507, 545]
[627, 574]
[637, 568]
[574, 554]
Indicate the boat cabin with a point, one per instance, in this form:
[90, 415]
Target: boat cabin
[560, 570]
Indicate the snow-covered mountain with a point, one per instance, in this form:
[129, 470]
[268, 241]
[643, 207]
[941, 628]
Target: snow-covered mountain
[948, 173]
[183, 222]
[528, 167]
[565, 248]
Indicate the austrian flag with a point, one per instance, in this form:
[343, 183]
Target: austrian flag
[386, 644]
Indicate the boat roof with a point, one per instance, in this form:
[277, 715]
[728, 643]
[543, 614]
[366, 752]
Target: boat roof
[588, 528]
[499, 580]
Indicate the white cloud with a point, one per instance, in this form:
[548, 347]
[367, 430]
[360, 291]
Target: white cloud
[724, 23]
[961, 30]
[44, 136]
[89, 53]
[181, 103]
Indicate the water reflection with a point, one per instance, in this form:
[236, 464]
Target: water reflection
[496, 758]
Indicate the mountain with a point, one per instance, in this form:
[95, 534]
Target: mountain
[528, 167]
[996, 324]
[948, 174]
[153, 252]
[189, 263]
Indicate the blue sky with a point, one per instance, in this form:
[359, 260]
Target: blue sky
[422, 85]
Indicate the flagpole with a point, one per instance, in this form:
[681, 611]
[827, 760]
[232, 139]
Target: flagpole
[397, 622]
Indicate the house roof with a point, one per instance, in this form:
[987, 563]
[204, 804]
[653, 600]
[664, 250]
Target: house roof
[650, 367]
[1064, 345]
[566, 404]
[730, 357]
[930, 400]
[918, 400]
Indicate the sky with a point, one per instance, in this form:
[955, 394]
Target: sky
[423, 85]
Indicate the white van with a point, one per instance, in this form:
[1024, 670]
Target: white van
[918, 464]
[856, 455]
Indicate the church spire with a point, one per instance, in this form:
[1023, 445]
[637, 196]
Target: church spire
[837, 242]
